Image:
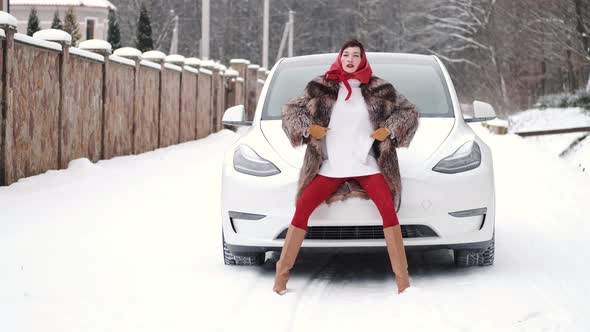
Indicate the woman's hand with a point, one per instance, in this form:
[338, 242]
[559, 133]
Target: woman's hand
[317, 132]
[381, 134]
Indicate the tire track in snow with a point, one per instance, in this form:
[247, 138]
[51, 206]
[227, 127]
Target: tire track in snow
[312, 291]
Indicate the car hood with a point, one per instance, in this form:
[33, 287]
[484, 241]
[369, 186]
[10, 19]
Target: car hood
[429, 136]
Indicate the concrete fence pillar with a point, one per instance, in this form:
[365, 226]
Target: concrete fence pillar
[133, 54]
[157, 57]
[8, 25]
[103, 48]
[65, 39]
[241, 66]
[251, 83]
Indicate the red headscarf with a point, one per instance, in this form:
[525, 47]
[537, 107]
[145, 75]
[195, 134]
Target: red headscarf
[336, 72]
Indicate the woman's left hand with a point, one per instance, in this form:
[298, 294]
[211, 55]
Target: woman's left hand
[381, 134]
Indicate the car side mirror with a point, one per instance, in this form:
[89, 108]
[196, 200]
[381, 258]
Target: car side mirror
[235, 116]
[482, 112]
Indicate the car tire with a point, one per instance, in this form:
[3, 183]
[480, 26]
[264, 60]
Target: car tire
[469, 257]
[256, 258]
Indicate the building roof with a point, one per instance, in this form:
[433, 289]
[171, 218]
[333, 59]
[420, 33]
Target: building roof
[68, 3]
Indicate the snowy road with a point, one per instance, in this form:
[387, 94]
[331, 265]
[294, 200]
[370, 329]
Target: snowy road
[133, 244]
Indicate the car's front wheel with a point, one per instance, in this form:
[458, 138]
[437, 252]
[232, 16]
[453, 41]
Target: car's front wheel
[246, 259]
[467, 257]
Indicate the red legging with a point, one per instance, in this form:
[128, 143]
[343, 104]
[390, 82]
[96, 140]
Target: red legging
[321, 187]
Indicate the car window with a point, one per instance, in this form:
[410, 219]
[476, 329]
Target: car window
[422, 83]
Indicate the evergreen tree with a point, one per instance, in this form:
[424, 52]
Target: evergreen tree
[144, 40]
[56, 24]
[33, 24]
[114, 34]
[71, 26]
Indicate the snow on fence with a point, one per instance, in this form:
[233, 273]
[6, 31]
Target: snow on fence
[60, 103]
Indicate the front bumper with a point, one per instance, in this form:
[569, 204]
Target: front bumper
[242, 249]
[272, 198]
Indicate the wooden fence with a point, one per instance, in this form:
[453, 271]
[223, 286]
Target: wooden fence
[60, 103]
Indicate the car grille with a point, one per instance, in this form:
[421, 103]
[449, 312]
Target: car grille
[360, 232]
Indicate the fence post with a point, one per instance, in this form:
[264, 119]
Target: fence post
[251, 82]
[65, 39]
[157, 57]
[134, 55]
[103, 48]
[261, 77]
[241, 66]
[218, 96]
[230, 77]
[221, 97]
[210, 65]
[195, 63]
[178, 60]
[8, 24]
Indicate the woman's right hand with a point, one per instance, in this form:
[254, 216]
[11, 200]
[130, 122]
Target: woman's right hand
[317, 132]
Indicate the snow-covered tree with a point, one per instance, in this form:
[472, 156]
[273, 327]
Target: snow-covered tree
[114, 34]
[56, 23]
[33, 22]
[71, 26]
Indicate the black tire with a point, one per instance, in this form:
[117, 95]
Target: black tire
[256, 258]
[467, 258]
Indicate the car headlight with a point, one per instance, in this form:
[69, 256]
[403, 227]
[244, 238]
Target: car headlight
[249, 162]
[467, 157]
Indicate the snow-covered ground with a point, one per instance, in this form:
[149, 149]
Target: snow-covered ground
[134, 244]
[558, 145]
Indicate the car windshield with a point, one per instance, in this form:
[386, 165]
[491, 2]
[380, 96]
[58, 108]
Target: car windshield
[421, 82]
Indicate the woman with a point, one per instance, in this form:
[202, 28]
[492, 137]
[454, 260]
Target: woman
[352, 123]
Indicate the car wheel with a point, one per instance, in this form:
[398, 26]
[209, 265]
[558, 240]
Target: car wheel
[256, 258]
[467, 258]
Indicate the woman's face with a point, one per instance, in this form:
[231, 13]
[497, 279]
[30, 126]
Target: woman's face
[351, 58]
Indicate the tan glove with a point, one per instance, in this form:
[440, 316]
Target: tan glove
[381, 134]
[318, 132]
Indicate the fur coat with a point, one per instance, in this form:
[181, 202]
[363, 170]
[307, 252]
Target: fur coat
[387, 108]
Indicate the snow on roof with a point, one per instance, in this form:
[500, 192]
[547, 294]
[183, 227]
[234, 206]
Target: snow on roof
[192, 61]
[232, 61]
[7, 19]
[253, 66]
[172, 66]
[231, 73]
[150, 64]
[174, 58]
[153, 55]
[55, 35]
[121, 60]
[78, 3]
[36, 41]
[128, 52]
[86, 54]
[95, 44]
[190, 69]
[207, 64]
[206, 71]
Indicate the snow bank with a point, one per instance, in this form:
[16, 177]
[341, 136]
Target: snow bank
[564, 145]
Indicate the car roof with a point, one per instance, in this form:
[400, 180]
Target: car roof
[372, 57]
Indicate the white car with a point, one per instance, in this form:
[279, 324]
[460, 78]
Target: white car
[448, 196]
